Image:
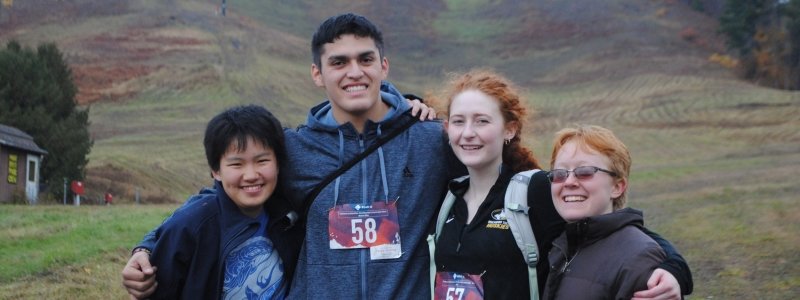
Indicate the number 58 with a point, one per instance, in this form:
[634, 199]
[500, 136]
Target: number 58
[368, 231]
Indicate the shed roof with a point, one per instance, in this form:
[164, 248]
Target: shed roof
[15, 138]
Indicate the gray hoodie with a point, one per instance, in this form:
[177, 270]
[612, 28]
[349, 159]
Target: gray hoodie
[413, 167]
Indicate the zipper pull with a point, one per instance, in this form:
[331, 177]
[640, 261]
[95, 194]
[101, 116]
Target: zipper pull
[460, 236]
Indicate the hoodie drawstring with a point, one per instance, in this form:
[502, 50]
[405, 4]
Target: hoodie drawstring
[341, 162]
[384, 180]
[383, 169]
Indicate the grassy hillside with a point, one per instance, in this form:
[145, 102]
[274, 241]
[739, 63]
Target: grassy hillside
[714, 157]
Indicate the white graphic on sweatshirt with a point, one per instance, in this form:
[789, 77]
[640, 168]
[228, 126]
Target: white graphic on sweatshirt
[254, 271]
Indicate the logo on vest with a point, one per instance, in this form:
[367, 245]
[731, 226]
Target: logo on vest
[498, 221]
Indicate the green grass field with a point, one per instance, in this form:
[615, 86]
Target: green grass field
[67, 252]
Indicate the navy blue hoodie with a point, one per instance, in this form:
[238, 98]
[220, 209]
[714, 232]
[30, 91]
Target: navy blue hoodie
[191, 246]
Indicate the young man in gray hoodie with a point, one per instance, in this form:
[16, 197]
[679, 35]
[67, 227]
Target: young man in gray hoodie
[366, 230]
[405, 178]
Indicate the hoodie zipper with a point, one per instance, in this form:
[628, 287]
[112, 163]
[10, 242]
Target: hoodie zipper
[567, 260]
[363, 200]
[227, 249]
[460, 236]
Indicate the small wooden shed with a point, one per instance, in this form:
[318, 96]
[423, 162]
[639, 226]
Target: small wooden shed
[20, 162]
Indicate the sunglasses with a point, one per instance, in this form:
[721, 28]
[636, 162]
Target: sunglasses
[581, 173]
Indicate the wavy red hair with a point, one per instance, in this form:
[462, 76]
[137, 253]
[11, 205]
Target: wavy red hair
[502, 90]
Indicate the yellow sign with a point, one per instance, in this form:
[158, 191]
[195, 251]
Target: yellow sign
[8, 3]
[12, 168]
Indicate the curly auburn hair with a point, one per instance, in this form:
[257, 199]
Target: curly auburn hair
[498, 87]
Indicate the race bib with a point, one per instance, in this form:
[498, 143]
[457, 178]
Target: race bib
[458, 286]
[374, 226]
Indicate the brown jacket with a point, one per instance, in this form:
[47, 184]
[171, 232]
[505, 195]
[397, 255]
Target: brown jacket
[602, 257]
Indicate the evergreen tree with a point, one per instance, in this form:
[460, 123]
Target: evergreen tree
[792, 14]
[766, 35]
[37, 95]
[738, 23]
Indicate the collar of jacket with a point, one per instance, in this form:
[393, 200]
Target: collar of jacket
[591, 229]
[277, 209]
[231, 217]
[459, 186]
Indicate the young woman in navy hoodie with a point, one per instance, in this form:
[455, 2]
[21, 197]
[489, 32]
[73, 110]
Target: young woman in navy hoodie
[235, 241]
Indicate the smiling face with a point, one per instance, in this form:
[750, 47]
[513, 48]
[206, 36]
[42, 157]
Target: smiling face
[248, 175]
[476, 130]
[576, 199]
[351, 72]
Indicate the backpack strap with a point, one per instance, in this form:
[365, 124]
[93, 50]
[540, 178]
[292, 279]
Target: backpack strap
[444, 211]
[518, 217]
[306, 204]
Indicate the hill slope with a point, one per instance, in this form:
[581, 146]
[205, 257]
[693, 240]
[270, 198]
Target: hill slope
[712, 154]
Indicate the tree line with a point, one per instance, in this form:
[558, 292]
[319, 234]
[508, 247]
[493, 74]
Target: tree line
[765, 34]
[37, 95]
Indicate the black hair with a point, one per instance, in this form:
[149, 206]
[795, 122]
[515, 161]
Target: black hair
[343, 24]
[239, 123]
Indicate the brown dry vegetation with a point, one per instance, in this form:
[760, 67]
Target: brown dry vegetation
[117, 67]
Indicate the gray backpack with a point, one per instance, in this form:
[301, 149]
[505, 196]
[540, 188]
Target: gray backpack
[516, 213]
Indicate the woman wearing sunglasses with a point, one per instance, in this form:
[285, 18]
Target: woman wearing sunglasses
[484, 118]
[602, 254]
